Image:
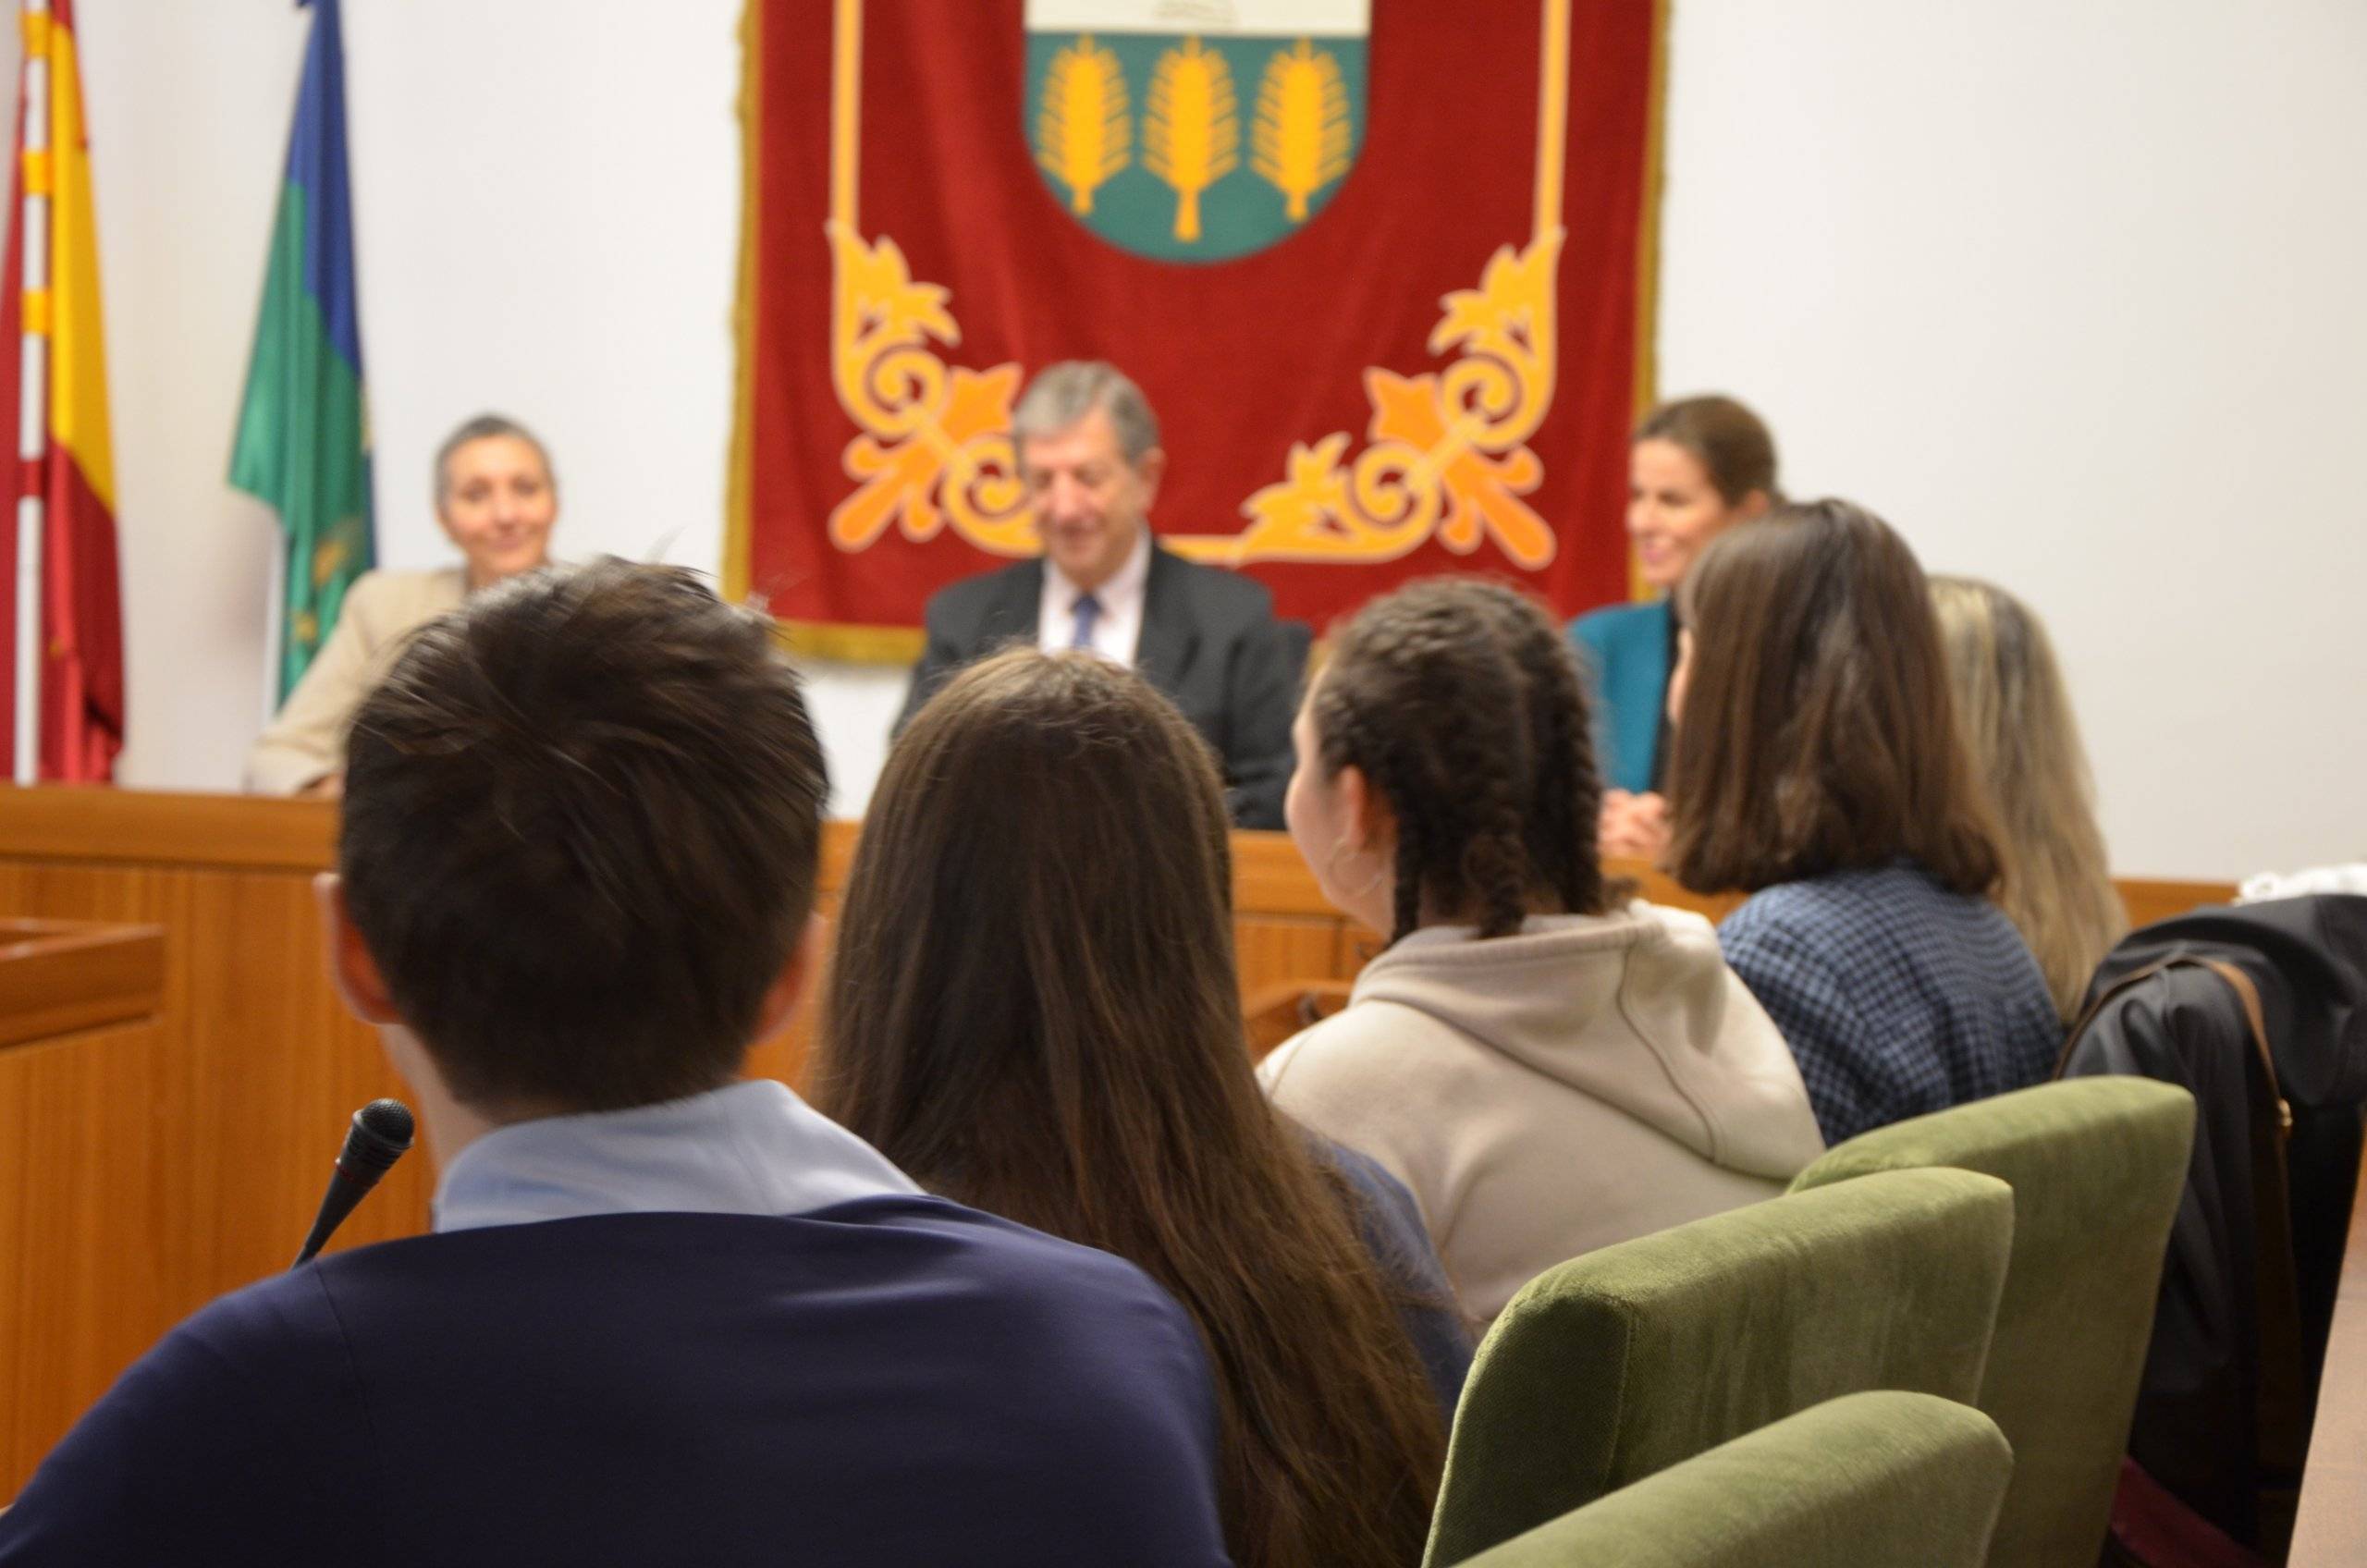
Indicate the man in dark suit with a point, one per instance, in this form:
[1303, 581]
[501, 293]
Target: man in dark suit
[1090, 456]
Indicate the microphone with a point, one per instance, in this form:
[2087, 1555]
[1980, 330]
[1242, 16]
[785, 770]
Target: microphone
[380, 1134]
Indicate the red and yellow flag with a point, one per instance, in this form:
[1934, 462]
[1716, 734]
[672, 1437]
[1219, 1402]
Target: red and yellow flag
[53, 406]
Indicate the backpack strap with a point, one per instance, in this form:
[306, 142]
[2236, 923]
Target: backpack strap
[2104, 999]
[2283, 1384]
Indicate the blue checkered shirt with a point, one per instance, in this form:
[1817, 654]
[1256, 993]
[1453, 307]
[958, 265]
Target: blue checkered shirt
[1897, 996]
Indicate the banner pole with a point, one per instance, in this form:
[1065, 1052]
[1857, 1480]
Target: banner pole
[275, 624]
[33, 432]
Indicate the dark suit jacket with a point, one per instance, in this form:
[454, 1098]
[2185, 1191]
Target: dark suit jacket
[1210, 642]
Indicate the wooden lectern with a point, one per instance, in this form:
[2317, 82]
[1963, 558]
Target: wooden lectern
[174, 1085]
[79, 1237]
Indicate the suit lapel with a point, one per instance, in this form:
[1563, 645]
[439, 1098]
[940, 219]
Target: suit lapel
[1171, 633]
[1017, 604]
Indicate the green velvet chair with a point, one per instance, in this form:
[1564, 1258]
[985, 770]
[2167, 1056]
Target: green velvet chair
[2097, 1165]
[1636, 1357]
[1871, 1480]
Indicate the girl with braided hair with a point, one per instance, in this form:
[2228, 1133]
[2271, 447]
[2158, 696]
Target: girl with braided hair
[1547, 1068]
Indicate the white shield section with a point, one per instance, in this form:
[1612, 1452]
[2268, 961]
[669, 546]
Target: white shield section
[1205, 18]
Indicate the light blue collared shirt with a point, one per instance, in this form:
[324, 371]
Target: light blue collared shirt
[750, 1147]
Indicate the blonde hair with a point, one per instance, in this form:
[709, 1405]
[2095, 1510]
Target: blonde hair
[2017, 718]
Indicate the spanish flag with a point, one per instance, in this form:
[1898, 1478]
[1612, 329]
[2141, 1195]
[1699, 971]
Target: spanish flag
[61, 614]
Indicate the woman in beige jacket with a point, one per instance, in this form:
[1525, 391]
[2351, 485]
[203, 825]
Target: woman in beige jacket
[496, 500]
[1548, 1069]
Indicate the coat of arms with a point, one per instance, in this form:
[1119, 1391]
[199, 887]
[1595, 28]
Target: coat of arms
[1195, 130]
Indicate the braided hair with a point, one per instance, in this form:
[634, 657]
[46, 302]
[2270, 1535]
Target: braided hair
[1459, 703]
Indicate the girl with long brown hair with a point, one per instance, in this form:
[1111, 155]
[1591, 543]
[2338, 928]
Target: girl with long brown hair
[1033, 1009]
[1820, 768]
[1550, 1069]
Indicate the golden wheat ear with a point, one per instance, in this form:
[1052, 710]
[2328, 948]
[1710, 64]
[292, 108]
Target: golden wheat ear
[1083, 132]
[1299, 142]
[1191, 128]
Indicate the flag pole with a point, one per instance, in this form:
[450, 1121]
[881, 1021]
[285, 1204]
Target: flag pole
[274, 623]
[33, 425]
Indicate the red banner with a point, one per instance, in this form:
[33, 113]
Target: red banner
[1380, 267]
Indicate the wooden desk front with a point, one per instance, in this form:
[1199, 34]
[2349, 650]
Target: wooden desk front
[78, 1055]
[244, 1081]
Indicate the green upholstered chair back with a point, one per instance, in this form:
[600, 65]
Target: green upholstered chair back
[1871, 1480]
[1621, 1363]
[2097, 1165]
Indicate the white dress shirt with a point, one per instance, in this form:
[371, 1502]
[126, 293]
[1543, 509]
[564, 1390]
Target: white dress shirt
[750, 1147]
[1119, 630]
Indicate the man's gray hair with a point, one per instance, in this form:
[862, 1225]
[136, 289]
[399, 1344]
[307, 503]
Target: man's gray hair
[1062, 393]
[485, 427]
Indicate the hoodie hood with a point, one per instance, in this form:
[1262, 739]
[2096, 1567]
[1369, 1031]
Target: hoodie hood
[1636, 1009]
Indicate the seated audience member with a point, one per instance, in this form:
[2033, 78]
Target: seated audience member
[1549, 1070]
[496, 500]
[1697, 467]
[1089, 457]
[1033, 1009]
[1818, 767]
[667, 1316]
[2017, 717]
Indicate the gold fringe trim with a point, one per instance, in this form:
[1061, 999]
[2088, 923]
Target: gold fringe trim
[1648, 253]
[738, 480]
[850, 644]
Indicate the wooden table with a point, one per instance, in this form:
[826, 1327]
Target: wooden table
[183, 1156]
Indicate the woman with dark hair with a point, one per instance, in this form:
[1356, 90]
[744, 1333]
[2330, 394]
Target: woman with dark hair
[1033, 1011]
[1697, 467]
[1548, 1068]
[1819, 767]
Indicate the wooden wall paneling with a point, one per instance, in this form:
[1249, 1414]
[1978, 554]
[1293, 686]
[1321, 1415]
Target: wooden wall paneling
[1352, 949]
[785, 1055]
[2149, 901]
[259, 1066]
[82, 1288]
[272, 1067]
[1269, 949]
[1268, 877]
[78, 824]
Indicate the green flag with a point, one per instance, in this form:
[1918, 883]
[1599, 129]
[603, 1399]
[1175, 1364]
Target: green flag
[303, 441]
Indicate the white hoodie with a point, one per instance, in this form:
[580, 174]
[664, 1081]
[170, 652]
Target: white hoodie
[1588, 1080]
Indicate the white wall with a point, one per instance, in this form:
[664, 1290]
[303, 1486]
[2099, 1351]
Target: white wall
[2069, 293]
[547, 197]
[2060, 290]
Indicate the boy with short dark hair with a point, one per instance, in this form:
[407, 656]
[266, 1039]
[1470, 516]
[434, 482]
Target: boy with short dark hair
[667, 1316]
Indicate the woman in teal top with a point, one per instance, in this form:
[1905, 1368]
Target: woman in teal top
[1699, 466]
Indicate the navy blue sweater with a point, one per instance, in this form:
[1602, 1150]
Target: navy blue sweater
[888, 1380]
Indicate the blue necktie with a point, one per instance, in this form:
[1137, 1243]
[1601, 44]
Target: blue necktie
[1089, 610]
